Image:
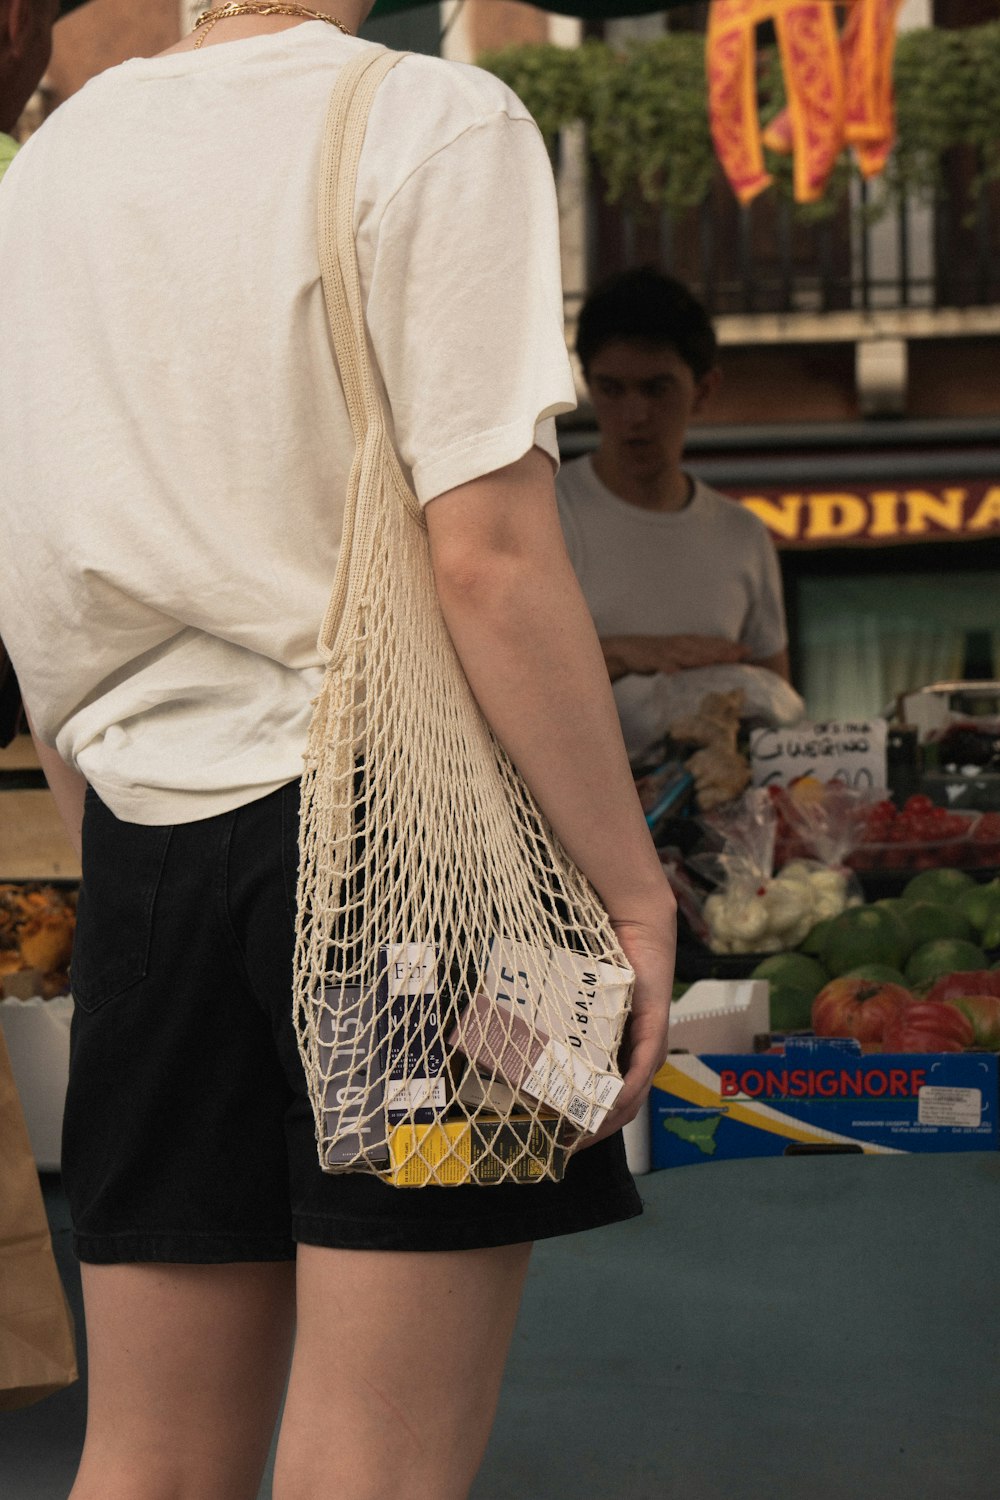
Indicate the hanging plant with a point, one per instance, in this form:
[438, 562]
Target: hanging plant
[649, 131]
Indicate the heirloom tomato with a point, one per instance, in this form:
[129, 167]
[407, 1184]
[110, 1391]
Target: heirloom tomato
[929, 1026]
[965, 982]
[976, 993]
[861, 1008]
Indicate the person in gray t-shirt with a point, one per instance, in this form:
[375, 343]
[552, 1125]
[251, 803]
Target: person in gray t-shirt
[675, 574]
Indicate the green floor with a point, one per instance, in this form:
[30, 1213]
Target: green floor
[820, 1326]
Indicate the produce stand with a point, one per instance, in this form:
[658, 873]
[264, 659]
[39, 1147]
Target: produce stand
[903, 963]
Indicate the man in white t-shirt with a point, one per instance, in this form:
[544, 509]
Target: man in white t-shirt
[676, 575]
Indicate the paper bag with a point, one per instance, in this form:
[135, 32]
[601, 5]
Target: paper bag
[37, 1346]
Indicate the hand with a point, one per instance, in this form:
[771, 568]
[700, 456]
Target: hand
[650, 948]
[667, 653]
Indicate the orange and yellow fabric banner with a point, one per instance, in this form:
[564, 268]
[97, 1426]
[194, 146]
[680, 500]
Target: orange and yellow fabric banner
[838, 87]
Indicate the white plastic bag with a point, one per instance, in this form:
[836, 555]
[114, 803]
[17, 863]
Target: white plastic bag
[648, 705]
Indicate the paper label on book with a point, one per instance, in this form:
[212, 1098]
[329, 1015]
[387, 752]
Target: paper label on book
[416, 1087]
[566, 1082]
[416, 1093]
[411, 969]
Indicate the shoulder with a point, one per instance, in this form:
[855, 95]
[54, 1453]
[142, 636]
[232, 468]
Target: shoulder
[436, 101]
[481, 91]
[447, 126]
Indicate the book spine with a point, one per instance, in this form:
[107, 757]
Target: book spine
[352, 1063]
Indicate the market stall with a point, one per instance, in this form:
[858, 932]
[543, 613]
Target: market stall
[855, 876]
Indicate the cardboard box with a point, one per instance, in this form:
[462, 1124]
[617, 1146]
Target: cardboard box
[721, 1015]
[821, 1094]
[503, 1045]
[714, 1015]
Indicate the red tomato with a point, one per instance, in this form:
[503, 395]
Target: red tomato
[928, 1026]
[972, 982]
[857, 1007]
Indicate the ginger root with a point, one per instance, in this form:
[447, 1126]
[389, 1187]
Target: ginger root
[720, 772]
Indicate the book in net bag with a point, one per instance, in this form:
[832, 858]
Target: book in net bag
[460, 994]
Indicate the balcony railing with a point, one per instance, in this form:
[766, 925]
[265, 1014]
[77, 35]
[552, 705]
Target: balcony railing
[766, 258]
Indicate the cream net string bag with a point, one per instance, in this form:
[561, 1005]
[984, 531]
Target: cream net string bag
[459, 991]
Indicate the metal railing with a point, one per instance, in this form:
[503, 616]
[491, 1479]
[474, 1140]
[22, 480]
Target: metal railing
[766, 259]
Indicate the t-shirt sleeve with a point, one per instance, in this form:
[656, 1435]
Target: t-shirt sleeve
[465, 307]
[765, 631]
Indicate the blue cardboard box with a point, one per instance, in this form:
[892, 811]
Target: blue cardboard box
[821, 1094]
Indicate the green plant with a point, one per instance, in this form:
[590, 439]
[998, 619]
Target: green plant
[553, 82]
[646, 113]
[649, 132]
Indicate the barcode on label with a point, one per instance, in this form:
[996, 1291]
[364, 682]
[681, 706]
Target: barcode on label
[578, 1108]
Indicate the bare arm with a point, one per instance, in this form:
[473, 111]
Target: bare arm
[526, 641]
[66, 785]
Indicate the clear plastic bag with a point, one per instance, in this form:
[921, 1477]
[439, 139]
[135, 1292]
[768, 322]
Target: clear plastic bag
[756, 909]
[822, 820]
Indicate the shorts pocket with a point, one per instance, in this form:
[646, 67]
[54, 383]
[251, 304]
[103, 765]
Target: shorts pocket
[122, 870]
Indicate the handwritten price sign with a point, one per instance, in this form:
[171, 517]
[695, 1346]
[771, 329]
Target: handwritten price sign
[854, 754]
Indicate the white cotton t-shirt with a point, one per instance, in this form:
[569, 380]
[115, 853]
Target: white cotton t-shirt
[175, 443]
[709, 569]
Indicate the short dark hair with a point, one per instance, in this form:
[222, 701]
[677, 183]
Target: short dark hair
[644, 306]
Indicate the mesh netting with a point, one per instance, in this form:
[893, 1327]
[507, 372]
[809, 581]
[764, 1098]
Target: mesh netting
[459, 991]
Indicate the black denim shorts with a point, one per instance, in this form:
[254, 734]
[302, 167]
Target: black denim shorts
[188, 1133]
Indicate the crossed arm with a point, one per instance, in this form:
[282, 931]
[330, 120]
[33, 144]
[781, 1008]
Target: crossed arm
[644, 654]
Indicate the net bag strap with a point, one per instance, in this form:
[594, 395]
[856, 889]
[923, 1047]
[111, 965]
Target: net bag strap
[344, 136]
[459, 992]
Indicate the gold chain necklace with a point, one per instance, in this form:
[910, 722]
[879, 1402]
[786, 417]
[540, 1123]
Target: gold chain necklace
[252, 8]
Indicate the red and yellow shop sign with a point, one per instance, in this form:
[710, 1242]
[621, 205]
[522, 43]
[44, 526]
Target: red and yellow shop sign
[877, 516]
